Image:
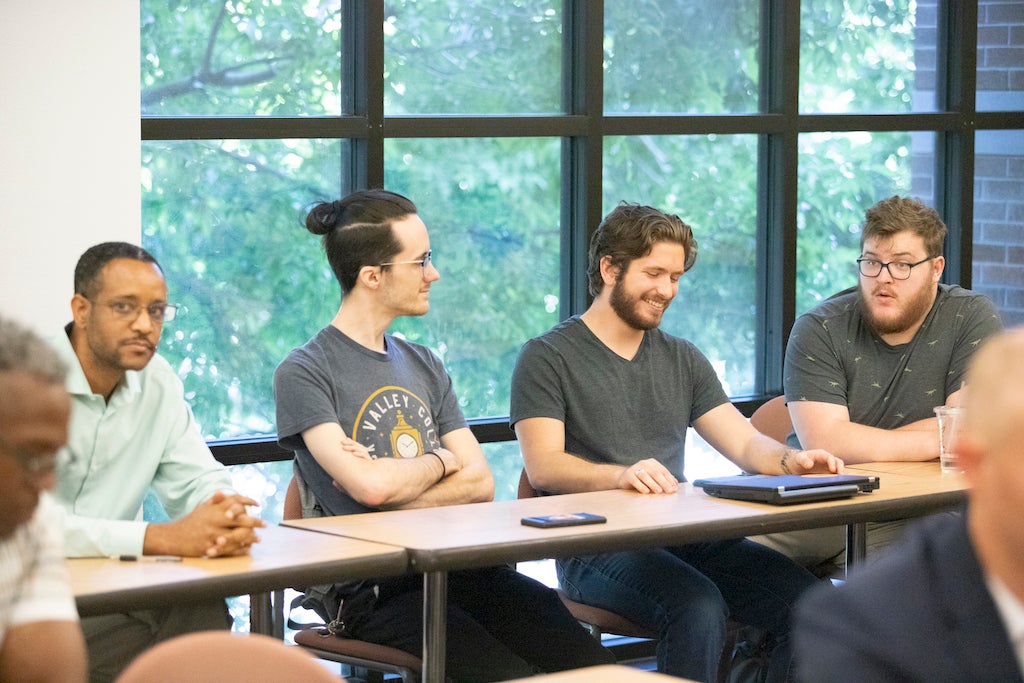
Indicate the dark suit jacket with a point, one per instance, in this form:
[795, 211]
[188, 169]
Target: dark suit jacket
[922, 613]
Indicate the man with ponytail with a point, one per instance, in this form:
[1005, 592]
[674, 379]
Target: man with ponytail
[375, 425]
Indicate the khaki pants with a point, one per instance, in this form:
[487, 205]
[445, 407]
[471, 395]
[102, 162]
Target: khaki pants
[114, 640]
[823, 551]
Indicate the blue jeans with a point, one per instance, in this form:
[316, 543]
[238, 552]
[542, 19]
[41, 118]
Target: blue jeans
[686, 594]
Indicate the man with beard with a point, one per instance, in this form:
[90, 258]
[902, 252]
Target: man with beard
[131, 432]
[865, 369]
[598, 389]
[948, 603]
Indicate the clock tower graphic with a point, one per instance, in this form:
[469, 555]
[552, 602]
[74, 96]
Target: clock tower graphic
[394, 422]
[405, 439]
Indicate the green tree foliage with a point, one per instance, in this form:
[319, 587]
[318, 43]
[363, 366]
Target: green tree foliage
[710, 182]
[855, 55]
[457, 57]
[667, 57]
[225, 217]
[240, 58]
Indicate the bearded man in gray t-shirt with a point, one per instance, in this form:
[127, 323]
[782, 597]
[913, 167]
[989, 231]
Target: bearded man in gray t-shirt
[604, 401]
[865, 369]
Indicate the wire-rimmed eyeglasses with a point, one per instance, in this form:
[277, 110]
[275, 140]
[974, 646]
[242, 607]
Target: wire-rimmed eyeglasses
[130, 311]
[423, 263]
[899, 270]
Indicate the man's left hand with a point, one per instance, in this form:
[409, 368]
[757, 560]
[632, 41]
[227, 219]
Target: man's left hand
[806, 462]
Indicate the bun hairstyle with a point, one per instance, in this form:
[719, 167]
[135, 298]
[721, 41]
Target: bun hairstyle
[356, 231]
[323, 218]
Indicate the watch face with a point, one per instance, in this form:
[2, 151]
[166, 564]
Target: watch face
[406, 446]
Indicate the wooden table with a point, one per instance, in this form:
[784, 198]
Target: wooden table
[905, 478]
[442, 539]
[283, 558]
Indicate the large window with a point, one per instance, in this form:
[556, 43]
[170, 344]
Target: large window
[516, 125]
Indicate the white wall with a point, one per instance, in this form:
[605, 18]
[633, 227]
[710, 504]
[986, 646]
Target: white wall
[69, 145]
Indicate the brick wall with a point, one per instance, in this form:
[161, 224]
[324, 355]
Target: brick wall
[998, 266]
[998, 263]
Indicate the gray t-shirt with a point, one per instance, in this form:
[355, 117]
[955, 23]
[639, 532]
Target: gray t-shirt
[397, 404]
[615, 410]
[834, 357]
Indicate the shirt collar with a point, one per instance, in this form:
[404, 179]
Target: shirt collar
[1011, 609]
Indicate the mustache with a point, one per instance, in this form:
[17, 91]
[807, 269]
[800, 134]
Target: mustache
[134, 340]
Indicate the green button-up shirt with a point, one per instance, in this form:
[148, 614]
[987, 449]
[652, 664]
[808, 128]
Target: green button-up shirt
[144, 437]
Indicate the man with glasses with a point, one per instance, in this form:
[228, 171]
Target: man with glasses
[948, 603]
[375, 425]
[40, 639]
[865, 369]
[131, 432]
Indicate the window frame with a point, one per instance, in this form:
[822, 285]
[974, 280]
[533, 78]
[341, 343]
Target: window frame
[584, 125]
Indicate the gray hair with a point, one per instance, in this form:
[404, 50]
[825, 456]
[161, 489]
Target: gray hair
[22, 350]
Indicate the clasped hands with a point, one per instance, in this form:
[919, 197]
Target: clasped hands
[220, 526]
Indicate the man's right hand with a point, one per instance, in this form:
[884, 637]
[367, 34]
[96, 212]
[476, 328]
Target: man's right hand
[219, 527]
[452, 463]
[648, 476]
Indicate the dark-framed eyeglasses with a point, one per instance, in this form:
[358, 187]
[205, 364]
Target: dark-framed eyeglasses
[899, 270]
[36, 467]
[423, 263]
[129, 311]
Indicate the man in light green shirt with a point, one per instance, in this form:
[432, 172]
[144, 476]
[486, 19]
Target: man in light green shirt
[143, 437]
[131, 431]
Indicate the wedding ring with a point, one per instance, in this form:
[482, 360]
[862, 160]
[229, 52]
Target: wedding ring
[639, 471]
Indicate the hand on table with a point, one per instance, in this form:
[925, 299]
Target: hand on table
[806, 462]
[648, 476]
[220, 526]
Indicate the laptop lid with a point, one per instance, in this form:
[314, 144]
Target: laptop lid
[788, 488]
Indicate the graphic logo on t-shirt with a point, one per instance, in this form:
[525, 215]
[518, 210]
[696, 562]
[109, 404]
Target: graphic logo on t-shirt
[395, 422]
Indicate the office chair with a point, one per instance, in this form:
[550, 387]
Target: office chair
[375, 658]
[594, 619]
[772, 419]
[598, 620]
[217, 656]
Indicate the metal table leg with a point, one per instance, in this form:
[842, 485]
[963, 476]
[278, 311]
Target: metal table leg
[856, 544]
[261, 619]
[435, 608]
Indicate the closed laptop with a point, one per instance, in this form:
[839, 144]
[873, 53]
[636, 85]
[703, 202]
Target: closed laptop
[788, 488]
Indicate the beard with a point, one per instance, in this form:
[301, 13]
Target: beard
[117, 355]
[626, 307]
[916, 305]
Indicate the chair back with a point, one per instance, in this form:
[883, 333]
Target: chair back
[218, 656]
[292, 501]
[526, 489]
[772, 419]
[350, 651]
